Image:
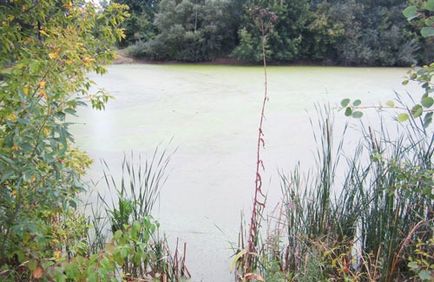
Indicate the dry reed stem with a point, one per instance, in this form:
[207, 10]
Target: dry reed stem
[259, 198]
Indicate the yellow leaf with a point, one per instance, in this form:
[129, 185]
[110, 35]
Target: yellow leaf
[42, 93]
[57, 254]
[68, 5]
[42, 84]
[237, 257]
[41, 31]
[12, 117]
[87, 60]
[53, 55]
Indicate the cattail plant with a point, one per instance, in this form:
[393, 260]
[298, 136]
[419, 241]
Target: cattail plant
[365, 222]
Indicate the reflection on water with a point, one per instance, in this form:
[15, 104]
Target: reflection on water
[211, 112]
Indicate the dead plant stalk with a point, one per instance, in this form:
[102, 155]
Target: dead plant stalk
[259, 198]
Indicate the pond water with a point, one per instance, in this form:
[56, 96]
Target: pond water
[210, 114]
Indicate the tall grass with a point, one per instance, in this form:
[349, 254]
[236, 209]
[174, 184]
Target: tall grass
[128, 211]
[97, 234]
[358, 214]
[139, 186]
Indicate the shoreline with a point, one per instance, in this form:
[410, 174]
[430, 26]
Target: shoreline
[122, 59]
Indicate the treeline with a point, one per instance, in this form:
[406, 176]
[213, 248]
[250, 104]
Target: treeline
[344, 32]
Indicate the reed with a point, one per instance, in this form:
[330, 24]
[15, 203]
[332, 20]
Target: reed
[139, 186]
[363, 225]
[129, 213]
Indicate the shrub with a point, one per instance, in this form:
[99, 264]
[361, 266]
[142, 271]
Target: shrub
[137, 50]
[48, 48]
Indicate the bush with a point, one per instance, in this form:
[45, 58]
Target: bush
[137, 50]
[247, 50]
[40, 170]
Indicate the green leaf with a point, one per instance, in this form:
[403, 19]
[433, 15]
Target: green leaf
[357, 103]
[402, 117]
[427, 101]
[124, 251]
[413, 265]
[348, 111]
[345, 102]
[390, 103]
[410, 12]
[32, 265]
[105, 263]
[427, 31]
[429, 5]
[6, 176]
[117, 235]
[429, 21]
[357, 114]
[425, 275]
[60, 115]
[417, 111]
[427, 119]
[92, 276]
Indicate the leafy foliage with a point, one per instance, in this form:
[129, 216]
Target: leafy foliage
[139, 27]
[191, 31]
[423, 110]
[355, 32]
[128, 244]
[48, 47]
[283, 43]
[421, 261]
[248, 50]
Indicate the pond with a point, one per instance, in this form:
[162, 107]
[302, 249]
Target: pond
[210, 115]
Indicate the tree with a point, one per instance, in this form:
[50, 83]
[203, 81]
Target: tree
[421, 16]
[46, 50]
[374, 33]
[139, 26]
[248, 49]
[192, 30]
[322, 35]
[286, 36]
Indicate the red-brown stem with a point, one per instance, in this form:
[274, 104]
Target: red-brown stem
[259, 198]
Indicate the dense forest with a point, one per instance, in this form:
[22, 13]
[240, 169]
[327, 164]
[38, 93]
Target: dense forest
[343, 32]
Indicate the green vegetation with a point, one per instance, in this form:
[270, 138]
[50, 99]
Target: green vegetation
[355, 32]
[422, 16]
[47, 49]
[143, 252]
[375, 222]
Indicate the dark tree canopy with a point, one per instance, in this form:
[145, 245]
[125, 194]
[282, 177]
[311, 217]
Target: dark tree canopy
[350, 32]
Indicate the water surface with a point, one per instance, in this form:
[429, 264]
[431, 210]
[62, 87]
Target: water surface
[211, 115]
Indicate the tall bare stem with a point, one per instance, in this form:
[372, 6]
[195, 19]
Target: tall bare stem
[264, 20]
